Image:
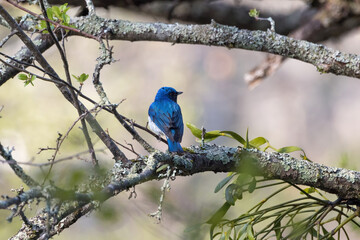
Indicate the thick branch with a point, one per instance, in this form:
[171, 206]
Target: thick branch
[325, 59]
[344, 183]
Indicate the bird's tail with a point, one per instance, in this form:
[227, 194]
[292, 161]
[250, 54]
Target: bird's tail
[174, 146]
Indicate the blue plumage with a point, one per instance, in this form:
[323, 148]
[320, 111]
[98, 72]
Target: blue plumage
[165, 117]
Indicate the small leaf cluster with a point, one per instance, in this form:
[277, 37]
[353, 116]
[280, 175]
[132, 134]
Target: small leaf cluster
[27, 78]
[259, 143]
[254, 13]
[82, 78]
[57, 14]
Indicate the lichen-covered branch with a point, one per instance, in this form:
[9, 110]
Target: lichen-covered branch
[6, 154]
[325, 59]
[344, 183]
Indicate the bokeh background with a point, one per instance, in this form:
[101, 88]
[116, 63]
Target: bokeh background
[295, 106]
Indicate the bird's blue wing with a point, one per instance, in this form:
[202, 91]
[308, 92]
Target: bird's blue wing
[168, 118]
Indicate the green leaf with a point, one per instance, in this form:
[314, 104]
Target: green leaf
[252, 185]
[257, 142]
[235, 136]
[219, 214]
[277, 229]
[66, 18]
[242, 234]
[250, 233]
[64, 8]
[326, 233]
[247, 143]
[22, 76]
[83, 77]
[43, 24]
[238, 193]
[309, 190]
[162, 167]
[223, 182]
[56, 11]
[209, 136]
[314, 233]
[33, 77]
[77, 78]
[254, 13]
[222, 236]
[243, 178]
[50, 13]
[289, 149]
[229, 194]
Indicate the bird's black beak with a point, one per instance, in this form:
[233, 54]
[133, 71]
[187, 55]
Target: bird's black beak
[178, 93]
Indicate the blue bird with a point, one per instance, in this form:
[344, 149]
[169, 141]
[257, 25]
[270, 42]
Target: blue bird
[165, 117]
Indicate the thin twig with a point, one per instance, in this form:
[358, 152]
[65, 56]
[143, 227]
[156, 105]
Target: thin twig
[68, 78]
[132, 131]
[53, 79]
[59, 142]
[7, 38]
[77, 155]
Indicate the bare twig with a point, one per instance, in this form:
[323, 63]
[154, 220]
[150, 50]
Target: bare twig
[75, 156]
[72, 92]
[146, 129]
[132, 131]
[53, 79]
[59, 142]
[2, 42]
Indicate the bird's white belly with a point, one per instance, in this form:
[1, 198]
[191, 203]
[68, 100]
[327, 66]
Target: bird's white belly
[155, 128]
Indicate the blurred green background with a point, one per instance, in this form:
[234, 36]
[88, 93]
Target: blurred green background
[296, 106]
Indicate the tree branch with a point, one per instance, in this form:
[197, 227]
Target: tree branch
[6, 154]
[325, 59]
[271, 165]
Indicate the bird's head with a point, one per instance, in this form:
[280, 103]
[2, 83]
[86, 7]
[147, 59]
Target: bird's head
[167, 92]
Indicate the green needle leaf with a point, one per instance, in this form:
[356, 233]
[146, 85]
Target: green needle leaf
[219, 214]
[223, 182]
